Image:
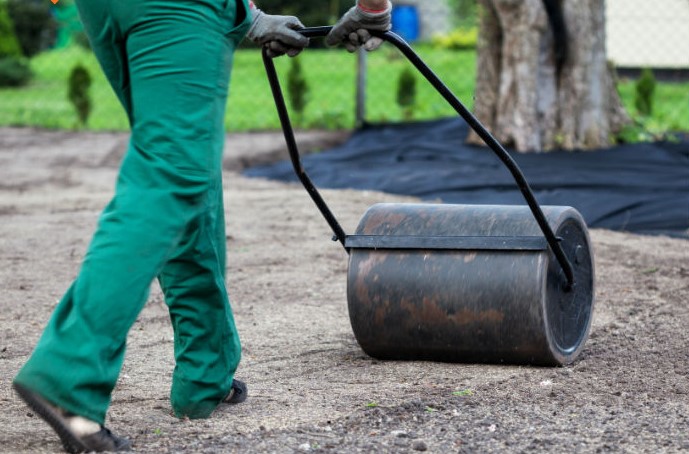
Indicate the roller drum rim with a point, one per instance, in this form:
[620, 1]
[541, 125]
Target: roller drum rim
[565, 341]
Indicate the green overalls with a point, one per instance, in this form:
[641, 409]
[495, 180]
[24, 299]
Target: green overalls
[169, 62]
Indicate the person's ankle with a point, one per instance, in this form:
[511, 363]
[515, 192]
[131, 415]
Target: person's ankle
[82, 426]
[78, 424]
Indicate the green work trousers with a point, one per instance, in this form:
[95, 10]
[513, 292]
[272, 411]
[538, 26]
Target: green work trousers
[169, 62]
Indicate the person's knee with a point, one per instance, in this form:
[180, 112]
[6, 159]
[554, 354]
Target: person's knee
[161, 178]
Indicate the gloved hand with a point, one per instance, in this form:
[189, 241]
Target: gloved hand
[277, 33]
[352, 29]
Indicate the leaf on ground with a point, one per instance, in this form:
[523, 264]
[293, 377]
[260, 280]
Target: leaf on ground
[463, 393]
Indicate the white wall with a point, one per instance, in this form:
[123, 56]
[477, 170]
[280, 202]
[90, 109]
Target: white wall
[652, 33]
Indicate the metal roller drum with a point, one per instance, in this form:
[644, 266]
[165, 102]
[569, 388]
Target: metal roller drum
[469, 283]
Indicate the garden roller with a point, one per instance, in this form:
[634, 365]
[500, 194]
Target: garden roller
[461, 283]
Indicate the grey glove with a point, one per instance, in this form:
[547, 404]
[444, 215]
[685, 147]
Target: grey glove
[277, 33]
[352, 29]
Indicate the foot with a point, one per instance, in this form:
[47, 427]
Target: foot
[238, 393]
[76, 433]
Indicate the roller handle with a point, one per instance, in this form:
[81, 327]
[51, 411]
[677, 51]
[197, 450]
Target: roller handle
[472, 121]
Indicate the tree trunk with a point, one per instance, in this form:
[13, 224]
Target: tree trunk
[528, 100]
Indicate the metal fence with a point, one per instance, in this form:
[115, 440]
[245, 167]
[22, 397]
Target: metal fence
[640, 34]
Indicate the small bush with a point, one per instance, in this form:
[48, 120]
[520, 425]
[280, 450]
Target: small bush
[9, 45]
[645, 89]
[78, 92]
[14, 72]
[297, 88]
[458, 39]
[14, 69]
[406, 93]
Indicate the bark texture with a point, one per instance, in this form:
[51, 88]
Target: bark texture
[522, 97]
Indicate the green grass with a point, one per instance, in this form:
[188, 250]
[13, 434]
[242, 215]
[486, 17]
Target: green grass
[670, 106]
[331, 79]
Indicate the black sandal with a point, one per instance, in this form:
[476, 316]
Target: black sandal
[238, 393]
[100, 441]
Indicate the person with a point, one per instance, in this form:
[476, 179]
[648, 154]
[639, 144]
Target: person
[169, 63]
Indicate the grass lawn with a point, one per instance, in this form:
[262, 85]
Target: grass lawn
[331, 79]
[670, 106]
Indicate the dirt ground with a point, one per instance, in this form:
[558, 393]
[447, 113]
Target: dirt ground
[311, 387]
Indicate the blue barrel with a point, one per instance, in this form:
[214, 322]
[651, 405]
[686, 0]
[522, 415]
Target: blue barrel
[405, 22]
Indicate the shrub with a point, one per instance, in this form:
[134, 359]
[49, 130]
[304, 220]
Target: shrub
[34, 25]
[9, 45]
[14, 72]
[14, 69]
[645, 89]
[458, 39]
[406, 92]
[297, 88]
[78, 92]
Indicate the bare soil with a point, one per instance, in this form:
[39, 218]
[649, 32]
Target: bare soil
[312, 389]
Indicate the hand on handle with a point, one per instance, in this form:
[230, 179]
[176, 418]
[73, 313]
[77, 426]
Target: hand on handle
[352, 29]
[278, 34]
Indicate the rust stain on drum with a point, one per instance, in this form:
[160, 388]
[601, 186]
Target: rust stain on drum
[364, 270]
[380, 223]
[432, 313]
[465, 316]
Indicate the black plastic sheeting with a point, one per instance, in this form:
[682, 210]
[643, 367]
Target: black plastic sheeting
[641, 188]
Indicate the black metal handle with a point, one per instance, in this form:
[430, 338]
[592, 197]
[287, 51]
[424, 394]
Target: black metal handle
[472, 121]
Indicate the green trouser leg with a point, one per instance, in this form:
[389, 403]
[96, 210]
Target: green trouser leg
[194, 278]
[169, 63]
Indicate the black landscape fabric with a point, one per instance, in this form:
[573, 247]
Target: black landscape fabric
[641, 188]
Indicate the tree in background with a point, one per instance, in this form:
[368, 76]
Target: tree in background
[78, 92]
[644, 90]
[14, 69]
[9, 45]
[406, 93]
[34, 25]
[543, 81]
[297, 89]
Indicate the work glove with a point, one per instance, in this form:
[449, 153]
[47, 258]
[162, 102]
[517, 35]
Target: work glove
[352, 29]
[277, 33]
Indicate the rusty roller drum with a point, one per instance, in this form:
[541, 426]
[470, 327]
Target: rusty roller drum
[472, 283]
[469, 283]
